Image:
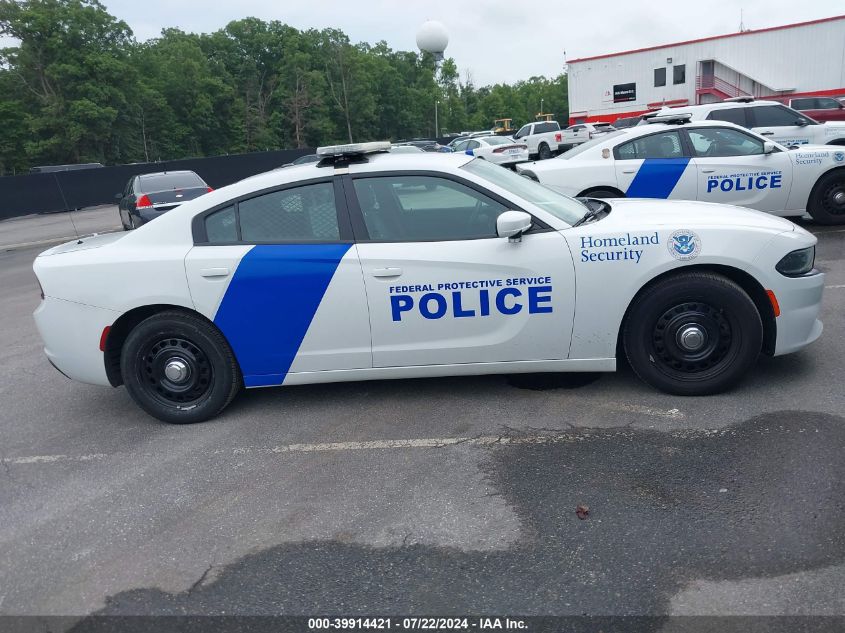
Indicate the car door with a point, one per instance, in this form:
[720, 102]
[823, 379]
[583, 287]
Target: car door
[279, 274]
[655, 166]
[733, 168]
[443, 288]
[782, 125]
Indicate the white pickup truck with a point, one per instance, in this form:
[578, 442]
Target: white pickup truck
[542, 138]
[581, 133]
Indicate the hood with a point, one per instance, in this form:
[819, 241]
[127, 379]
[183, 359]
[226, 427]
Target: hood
[96, 240]
[632, 212]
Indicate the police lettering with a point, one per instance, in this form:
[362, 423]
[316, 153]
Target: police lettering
[745, 183]
[507, 301]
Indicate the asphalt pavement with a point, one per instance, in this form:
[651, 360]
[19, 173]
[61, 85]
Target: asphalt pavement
[41, 229]
[437, 496]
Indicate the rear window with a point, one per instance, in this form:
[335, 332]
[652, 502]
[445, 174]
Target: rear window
[497, 140]
[165, 182]
[603, 127]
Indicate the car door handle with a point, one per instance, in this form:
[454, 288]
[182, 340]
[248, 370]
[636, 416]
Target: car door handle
[214, 272]
[629, 171]
[387, 272]
[707, 171]
[767, 133]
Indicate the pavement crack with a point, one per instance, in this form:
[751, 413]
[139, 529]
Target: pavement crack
[201, 579]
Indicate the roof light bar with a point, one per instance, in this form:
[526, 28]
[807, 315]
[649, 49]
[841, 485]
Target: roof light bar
[354, 149]
[740, 99]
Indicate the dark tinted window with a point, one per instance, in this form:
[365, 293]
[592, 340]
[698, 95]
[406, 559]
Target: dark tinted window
[679, 74]
[222, 226]
[659, 77]
[827, 103]
[663, 145]
[714, 142]
[774, 116]
[305, 213]
[165, 182]
[544, 127]
[808, 103]
[731, 115]
[420, 208]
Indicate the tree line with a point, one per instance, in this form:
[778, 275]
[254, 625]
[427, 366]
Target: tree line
[78, 87]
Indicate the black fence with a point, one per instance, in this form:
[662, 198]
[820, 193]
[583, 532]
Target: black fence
[68, 190]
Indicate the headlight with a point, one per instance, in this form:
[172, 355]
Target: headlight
[798, 262]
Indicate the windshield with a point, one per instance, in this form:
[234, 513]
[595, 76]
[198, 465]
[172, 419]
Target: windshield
[562, 207]
[591, 143]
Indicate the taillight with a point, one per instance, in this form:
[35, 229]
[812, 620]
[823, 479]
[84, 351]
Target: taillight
[502, 148]
[210, 189]
[144, 202]
[558, 137]
[104, 337]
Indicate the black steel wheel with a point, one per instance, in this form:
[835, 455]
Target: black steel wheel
[827, 202]
[543, 151]
[694, 333]
[179, 368]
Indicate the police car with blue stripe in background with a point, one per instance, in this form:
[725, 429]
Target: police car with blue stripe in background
[371, 265]
[711, 161]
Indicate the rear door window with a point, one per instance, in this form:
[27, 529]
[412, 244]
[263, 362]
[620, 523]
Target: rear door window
[731, 115]
[662, 145]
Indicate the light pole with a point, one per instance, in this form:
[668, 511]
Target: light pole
[436, 125]
[541, 105]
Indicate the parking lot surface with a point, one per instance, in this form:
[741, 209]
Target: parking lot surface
[431, 496]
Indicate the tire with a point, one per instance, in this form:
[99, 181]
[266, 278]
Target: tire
[543, 151]
[730, 334]
[601, 193]
[827, 202]
[213, 377]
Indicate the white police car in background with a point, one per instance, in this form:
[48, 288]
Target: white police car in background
[502, 150]
[771, 119]
[711, 161]
[372, 265]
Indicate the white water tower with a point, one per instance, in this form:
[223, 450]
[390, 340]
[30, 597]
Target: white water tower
[433, 38]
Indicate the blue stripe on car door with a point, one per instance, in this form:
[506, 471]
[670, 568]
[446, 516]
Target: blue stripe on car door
[270, 302]
[657, 177]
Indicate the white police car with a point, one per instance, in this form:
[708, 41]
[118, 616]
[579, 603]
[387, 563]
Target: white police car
[372, 265]
[712, 161]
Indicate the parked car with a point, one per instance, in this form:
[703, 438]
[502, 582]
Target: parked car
[421, 266]
[710, 161]
[405, 149]
[501, 150]
[626, 122]
[771, 119]
[581, 133]
[147, 196]
[819, 108]
[541, 137]
[426, 145]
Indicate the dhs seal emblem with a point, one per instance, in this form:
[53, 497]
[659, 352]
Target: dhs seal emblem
[839, 156]
[684, 245]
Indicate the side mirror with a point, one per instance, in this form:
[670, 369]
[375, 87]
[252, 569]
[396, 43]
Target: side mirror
[801, 123]
[512, 224]
[768, 147]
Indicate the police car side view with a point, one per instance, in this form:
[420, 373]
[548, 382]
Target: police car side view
[711, 161]
[371, 265]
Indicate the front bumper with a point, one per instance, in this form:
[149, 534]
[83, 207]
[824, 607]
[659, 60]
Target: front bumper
[800, 299]
[71, 334]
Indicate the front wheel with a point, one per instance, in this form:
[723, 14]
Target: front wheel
[693, 334]
[827, 203]
[179, 368]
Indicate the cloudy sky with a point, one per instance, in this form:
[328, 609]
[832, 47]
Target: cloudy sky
[497, 40]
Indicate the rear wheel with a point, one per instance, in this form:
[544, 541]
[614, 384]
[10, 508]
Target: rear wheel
[601, 193]
[543, 151]
[693, 334]
[827, 203]
[178, 368]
